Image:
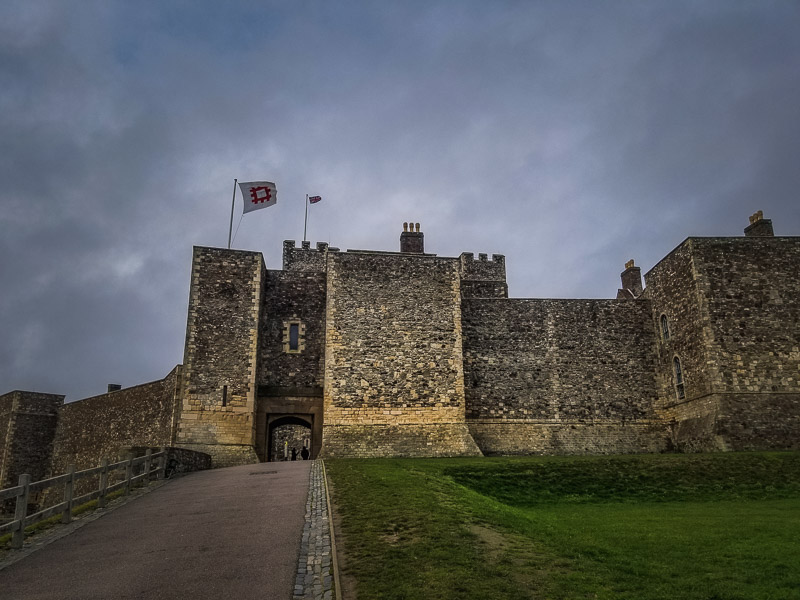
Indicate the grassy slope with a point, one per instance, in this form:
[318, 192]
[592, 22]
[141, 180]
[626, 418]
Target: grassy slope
[719, 526]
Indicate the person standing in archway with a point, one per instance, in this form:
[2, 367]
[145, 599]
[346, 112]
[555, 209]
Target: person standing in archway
[304, 453]
[294, 453]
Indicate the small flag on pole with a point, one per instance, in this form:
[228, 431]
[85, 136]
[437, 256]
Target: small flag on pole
[314, 199]
[258, 194]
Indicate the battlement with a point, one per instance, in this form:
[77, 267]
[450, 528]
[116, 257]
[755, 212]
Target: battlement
[305, 258]
[482, 269]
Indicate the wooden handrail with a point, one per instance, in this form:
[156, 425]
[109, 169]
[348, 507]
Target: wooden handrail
[25, 487]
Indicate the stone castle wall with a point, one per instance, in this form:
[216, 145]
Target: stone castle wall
[410, 354]
[750, 291]
[293, 296]
[560, 376]
[221, 355]
[733, 312]
[111, 425]
[27, 428]
[673, 289]
[305, 258]
[393, 357]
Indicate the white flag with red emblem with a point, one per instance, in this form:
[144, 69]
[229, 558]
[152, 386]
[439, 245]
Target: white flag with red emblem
[258, 194]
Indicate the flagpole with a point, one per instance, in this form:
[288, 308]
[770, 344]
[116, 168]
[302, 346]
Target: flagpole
[233, 203]
[305, 224]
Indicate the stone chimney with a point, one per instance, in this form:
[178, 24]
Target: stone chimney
[759, 226]
[114, 387]
[412, 241]
[631, 281]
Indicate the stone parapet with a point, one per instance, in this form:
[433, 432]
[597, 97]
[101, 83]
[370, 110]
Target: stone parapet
[225, 455]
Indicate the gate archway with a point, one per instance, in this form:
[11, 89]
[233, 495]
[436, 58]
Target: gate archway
[289, 432]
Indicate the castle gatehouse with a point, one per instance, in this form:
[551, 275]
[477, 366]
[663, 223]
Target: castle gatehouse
[363, 353]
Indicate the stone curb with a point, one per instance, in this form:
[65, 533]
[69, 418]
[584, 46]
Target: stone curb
[316, 564]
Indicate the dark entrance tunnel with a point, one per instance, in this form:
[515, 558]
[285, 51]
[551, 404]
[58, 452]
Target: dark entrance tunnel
[288, 434]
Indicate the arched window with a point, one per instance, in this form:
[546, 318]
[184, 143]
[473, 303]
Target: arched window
[679, 388]
[664, 327]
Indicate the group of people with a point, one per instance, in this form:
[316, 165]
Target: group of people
[304, 453]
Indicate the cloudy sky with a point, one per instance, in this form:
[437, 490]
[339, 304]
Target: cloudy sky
[570, 136]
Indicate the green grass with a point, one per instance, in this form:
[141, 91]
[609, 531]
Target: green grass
[721, 527]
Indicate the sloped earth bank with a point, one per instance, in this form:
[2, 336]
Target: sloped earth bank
[638, 527]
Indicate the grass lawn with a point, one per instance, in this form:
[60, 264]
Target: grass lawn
[709, 526]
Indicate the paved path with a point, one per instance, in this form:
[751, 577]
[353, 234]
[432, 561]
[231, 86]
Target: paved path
[227, 533]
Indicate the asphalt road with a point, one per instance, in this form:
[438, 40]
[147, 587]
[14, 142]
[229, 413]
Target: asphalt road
[227, 533]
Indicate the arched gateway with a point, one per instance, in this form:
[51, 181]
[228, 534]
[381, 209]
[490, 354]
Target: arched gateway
[287, 436]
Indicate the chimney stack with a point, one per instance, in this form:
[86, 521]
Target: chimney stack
[412, 241]
[631, 280]
[759, 226]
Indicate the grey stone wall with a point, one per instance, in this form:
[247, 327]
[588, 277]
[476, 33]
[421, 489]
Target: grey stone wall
[759, 421]
[735, 324]
[110, 425]
[579, 361]
[750, 290]
[305, 258]
[292, 296]
[525, 438]
[560, 376]
[673, 288]
[393, 348]
[221, 355]
[27, 428]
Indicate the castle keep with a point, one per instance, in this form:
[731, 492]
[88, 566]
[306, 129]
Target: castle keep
[368, 353]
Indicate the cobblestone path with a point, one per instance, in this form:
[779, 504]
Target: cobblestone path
[315, 564]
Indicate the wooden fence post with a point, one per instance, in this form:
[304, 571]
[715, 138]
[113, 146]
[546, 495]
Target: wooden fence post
[162, 464]
[69, 493]
[101, 499]
[128, 475]
[147, 462]
[21, 511]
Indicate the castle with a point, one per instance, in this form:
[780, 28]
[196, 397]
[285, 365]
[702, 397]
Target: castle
[365, 353]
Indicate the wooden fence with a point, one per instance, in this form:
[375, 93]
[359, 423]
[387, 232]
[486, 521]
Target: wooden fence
[153, 463]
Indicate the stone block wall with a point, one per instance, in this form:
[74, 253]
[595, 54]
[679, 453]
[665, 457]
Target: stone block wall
[483, 278]
[305, 258]
[111, 425]
[221, 355]
[553, 376]
[674, 289]
[293, 296]
[734, 318]
[27, 428]
[393, 351]
[750, 291]
[525, 438]
[759, 421]
[482, 269]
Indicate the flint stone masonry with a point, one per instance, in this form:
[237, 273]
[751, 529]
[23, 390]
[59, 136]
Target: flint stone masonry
[393, 352]
[221, 355]
[734, 315]
[28, 423]
[414, 354]
[111, 425]
[558, 361]
[290, 296]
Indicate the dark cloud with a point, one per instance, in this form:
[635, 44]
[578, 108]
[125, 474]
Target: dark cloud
[568, 136]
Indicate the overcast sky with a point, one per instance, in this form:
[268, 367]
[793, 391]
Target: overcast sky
[569, 136]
